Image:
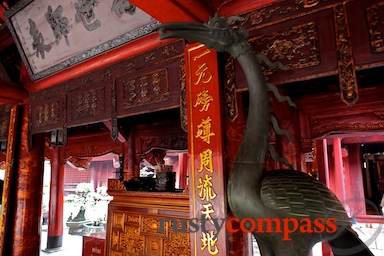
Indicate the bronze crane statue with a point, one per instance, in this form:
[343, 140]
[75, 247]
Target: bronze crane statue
[252, 191]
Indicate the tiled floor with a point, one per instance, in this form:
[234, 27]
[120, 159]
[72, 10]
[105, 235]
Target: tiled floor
[72, 244]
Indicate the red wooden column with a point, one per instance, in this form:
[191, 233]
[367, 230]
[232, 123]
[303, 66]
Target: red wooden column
[207, 194]
[323, 174]
[25, 238]
[56, 201]
[356, 182]
[322, 161]
[339, 171]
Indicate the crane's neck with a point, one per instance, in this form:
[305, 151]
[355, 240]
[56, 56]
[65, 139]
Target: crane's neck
[246, 175]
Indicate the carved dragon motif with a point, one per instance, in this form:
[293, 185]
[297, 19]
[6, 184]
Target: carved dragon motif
[252, 191]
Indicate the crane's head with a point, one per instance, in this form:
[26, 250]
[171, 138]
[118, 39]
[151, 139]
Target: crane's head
[216, 33]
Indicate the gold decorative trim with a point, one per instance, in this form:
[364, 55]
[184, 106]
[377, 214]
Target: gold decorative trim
[375, 24]
[298, 46]
[317, 132]
[9, 170]
[231, 110]
[258, 16]
[183, 95]
[346, 65]
[115, 185]
[379, 114]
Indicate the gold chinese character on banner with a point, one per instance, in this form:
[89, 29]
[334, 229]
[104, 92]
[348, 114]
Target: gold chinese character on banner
[203, 74]
[206, 190]
[207, 211]
[204, 130]
[206, 161]
[203, 98]
[209, 240]
[207, 51]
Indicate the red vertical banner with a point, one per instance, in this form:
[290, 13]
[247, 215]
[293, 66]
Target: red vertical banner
[208, 207]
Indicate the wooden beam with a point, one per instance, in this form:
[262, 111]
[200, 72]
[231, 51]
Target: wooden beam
[232, 8]
[120, 137]
[12, 93]
[179, 10]
[121, 53]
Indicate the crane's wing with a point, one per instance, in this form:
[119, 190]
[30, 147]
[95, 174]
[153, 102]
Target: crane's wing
[299, 195]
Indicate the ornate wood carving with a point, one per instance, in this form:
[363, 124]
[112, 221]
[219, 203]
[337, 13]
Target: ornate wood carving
[47, 115]
[80, 162]
[183, 95]
[379, 114]
[347, 127]
[95, 97]
[346, 65]
[88, 105]
[280, 10]
[231, 111]
[115, 185]
[296, 46]
[172, 141]
[135, 224]
[92, 150]
[146, 89]
[5, 112]
[114, 128]
[375, 16]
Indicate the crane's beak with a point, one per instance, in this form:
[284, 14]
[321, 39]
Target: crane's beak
[213, 38]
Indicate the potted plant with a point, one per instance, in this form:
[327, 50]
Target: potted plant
[78, 204]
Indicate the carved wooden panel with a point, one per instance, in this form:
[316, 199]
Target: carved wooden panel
[149, 90]
[298, 46]
[367, 28]
[306, 45]
[160, 134]
[92, 145]
[89, 104]
[346, 66]
[145, 89]
[135, 227]
[155, 75]
[47, 115]
[375, 16]
[281, 10]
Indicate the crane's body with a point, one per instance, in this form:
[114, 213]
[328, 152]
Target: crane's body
[254, 192]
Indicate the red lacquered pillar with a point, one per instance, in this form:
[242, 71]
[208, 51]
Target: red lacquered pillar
[339, 172]
[56, 201]
[28, 196]
[323, 174]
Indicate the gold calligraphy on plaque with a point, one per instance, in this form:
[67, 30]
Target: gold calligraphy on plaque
[203, 74]
[204, 99]
[207, 211]
[206, 190]
[209, 240]
[206, 161]
[204, 130]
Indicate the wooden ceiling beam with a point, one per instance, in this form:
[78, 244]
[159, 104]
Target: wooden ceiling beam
[12, 93]
[233, 8]
[175, 10]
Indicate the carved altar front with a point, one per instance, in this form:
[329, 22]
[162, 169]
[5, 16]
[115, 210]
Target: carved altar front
[135, 223]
